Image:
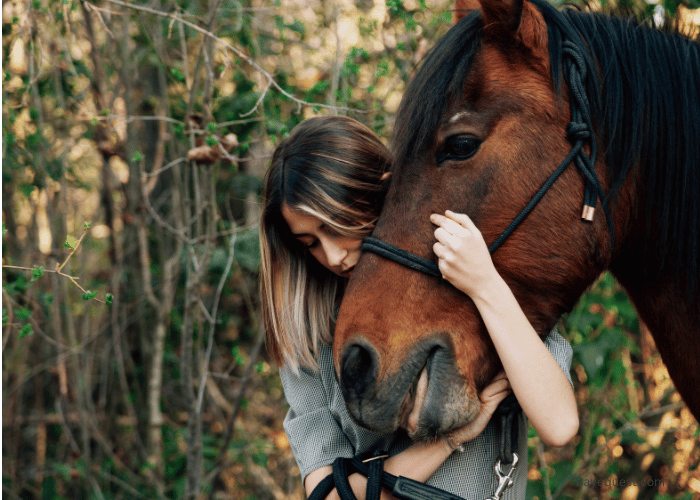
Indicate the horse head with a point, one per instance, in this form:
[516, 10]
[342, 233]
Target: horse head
[482, 126]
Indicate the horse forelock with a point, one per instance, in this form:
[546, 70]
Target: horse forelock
[434, 87]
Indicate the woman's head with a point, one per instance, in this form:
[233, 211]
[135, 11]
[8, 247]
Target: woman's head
[326, 182]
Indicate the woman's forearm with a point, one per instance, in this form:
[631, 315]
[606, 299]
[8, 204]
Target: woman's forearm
[418, 462]
[542, 388]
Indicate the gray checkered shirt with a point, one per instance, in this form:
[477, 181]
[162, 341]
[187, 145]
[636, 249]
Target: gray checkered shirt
[320, 429]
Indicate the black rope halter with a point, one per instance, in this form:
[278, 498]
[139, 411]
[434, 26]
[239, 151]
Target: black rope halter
[578, 131]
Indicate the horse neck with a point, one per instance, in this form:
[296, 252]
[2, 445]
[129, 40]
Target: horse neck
[647, 119]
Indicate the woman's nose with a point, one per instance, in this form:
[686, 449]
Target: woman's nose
[334, 253]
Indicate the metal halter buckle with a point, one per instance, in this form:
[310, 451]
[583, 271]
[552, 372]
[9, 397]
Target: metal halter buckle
[504, 480]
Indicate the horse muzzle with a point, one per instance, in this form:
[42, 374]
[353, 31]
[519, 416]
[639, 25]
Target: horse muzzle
[422, 393]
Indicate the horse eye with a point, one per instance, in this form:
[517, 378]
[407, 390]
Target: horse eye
[458, 147]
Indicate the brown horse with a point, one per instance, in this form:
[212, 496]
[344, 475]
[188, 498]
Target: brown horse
[521, 102]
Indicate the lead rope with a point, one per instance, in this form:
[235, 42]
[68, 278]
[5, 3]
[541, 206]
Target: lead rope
[506, 417]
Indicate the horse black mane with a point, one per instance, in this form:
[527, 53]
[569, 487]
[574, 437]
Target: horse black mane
[645, 104]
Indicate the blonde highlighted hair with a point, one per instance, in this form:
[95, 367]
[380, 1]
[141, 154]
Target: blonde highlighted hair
[331, 168]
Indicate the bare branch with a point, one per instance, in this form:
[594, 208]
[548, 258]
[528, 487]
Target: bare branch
[236, 51]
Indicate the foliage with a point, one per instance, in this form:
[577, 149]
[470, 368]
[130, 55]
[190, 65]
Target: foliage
[637, 439]
[135, 138]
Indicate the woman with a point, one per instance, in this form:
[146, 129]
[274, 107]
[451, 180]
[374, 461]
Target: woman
[323, 193]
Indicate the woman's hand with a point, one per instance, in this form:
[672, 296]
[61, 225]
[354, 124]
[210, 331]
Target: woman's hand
[463, 257]
[491, 397]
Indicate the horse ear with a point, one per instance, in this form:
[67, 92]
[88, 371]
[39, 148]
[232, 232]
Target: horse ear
[509, 20]
[502, 15]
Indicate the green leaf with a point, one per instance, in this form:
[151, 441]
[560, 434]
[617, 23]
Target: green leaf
[37, 273]
[297, 26]
[109, 298]
[23, 314]
[260, 458]
[68, 245]
[4, 230]
[25, 330]
[137, 157]
[236, 352]
[63, 469]
[27, 189]
[211, 141]
[178, 75]
[45, 298]
[630, 436]
[86, 225]
[5, 315]
[89, 295]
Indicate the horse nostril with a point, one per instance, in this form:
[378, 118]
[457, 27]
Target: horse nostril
[358, 369]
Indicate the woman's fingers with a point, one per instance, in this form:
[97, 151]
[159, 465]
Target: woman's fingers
[451, 225]
[464, 220]
[446, 238]
[496, 391]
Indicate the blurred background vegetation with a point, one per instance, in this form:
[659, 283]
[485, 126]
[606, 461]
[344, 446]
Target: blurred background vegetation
[134, 140]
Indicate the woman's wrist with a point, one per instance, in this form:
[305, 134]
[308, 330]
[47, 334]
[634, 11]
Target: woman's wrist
[452, 443]
[490, 292]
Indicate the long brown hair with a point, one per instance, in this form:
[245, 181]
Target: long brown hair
[329, 167]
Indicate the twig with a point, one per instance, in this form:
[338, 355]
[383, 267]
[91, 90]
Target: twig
[86, 227]
[221, 460]
[6, 335]
[22, 268]
[260, 99]
[98, 12]
[212, 322]
[164, 168]
[233, 49]
[73, 279]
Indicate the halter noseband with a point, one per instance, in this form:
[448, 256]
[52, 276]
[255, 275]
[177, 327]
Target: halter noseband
[579, 130]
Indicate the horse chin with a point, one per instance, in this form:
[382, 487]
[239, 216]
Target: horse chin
[444, 412]
[439, 404]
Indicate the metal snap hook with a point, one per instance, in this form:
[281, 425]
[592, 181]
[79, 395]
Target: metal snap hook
[505, 481]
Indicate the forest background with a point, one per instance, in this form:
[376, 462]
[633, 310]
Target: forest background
[135, 138]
